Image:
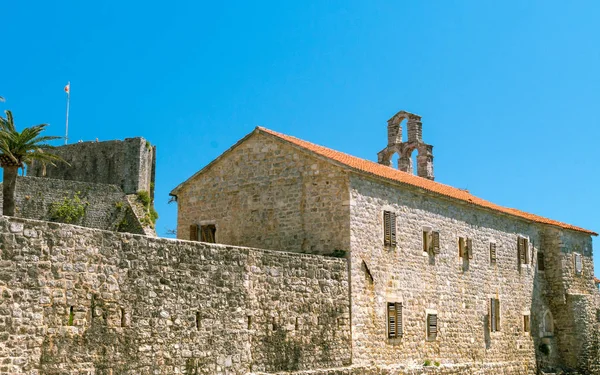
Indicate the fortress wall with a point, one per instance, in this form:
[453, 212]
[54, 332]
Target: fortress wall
[128, 164]
[81, 300]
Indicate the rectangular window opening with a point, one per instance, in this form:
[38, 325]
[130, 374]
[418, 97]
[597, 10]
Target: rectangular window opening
[492, 253]
[249, 322]
[494, 315]
[432, 327]
[526, 325]
[394, 314]
[198, 320]
[578, 264]
[523, 250]
[389, 228]
[123, 318]
[208, 233]
[71, 317]
[540, 262]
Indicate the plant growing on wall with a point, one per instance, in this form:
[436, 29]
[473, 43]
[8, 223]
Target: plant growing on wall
[151, 215]
[69, 210]
[16, 150]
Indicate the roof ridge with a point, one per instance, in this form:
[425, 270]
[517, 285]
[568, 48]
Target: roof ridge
[389, 173]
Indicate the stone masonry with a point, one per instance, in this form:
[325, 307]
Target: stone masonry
[77, 300]
[275, 191]
[129, 164]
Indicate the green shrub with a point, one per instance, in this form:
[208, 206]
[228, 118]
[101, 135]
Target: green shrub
[427, 363]
[119, 205]
[436, 364]
[144, 197]
[69, 210]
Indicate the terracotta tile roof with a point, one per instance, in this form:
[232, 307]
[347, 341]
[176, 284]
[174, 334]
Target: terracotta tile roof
[390, 173]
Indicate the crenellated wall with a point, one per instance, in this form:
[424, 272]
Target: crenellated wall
[80, 300]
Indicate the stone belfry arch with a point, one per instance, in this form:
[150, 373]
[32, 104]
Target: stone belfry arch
[414, 128]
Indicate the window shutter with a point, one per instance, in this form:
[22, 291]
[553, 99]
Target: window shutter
[492, 252]
[497, 315]
[541, 265]
[470, 248]
[391, 320]
[526, 250]
[386, 228]
[194, 232]
[578, 264]
[431, 326]
[436, 242]
[520, 250]
[461, 247]
[393, 228]
[399, 328]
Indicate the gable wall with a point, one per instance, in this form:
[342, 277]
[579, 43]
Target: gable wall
[459, 292]
[265, 193]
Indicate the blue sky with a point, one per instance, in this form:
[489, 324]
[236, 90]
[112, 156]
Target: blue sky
[508, 90]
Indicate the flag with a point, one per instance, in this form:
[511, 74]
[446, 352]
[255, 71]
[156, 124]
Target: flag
[68, 88]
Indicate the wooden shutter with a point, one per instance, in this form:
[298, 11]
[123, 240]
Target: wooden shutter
[470, 248]
[436, 242]
[431, 326]
[399, 327]
[526, 249]
[391, 320]
[207, 233]
[387, 235]
[393, 228]
[497, 315]
[194, 232]
[492, 315]
[541, 265]
[492, 252]
[520, 250]
[578, 264]
[461, 247]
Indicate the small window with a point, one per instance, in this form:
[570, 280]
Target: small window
[432, 327]
[194, 232]
[465, 248]
[389, 228]
[578, 264]
[494, 315]
[540, 262]
[526, 325]
[598, 315]
[207, 233]
[492, 253]
[394, 314]
[431, 242]
[523, 250]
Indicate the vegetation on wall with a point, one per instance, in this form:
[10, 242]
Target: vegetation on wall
[69, 210]
[151, 215]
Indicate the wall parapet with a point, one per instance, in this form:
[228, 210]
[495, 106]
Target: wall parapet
[76, 300]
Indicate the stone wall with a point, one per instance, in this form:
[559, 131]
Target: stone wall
[86, 301]
[106, 206]
[266, 193]
[129, 164]
[456, 289]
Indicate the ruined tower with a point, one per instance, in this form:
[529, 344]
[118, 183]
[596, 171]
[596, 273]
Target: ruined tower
[414, 127]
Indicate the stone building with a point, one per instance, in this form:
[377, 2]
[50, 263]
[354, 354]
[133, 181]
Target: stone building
[105, 178]
[436, 275]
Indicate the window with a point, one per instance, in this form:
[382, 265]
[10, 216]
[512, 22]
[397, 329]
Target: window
[526, 325]
[548, 324]
[540, 261]
[194, 232]
[431, 241]
[578, 263]
[432, 327]
[492, 253]
[523, 250]
[207, 233]
[389, 228]
[598, 315]
[465, 248]
[494, 314]
[394, 314]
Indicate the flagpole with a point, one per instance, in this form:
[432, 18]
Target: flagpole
[67, 117]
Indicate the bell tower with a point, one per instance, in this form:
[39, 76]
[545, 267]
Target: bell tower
[414, 128]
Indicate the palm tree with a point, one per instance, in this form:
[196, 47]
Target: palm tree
[16, 150]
